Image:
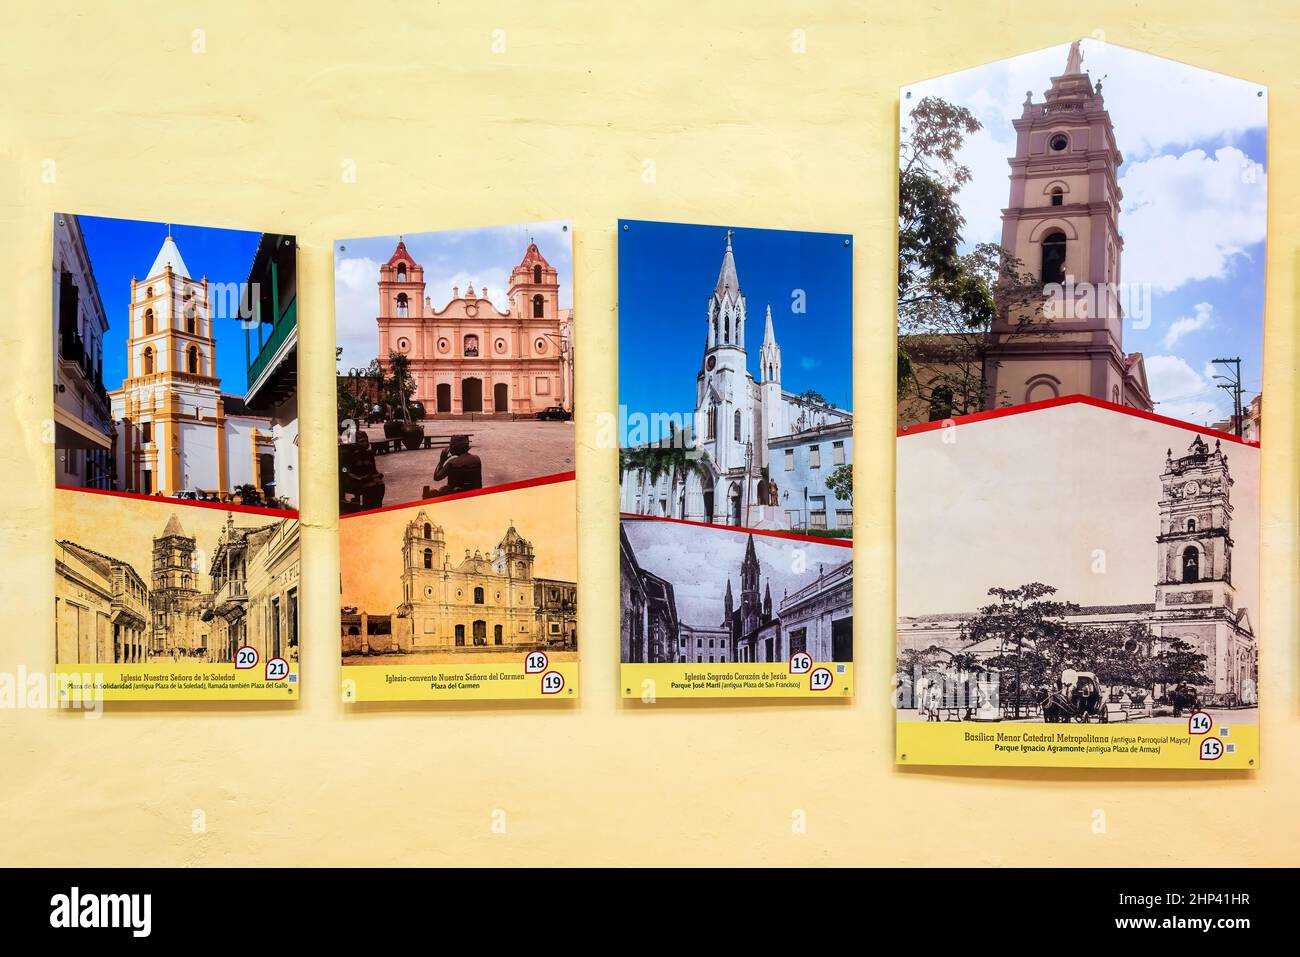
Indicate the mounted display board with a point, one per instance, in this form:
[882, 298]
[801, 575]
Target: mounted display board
[735, 432]
[458, 515]
[1080, 358]
[176, 461]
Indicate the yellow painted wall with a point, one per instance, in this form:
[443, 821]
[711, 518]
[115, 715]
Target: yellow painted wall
[446, 133]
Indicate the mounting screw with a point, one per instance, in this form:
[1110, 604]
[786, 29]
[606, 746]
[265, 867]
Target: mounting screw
[625, 227]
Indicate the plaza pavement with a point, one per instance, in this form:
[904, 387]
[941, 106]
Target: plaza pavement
[510, 452]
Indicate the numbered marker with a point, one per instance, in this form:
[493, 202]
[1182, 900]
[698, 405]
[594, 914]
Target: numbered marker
[536, 663]
[1211, 749]
[800, 663]
[277, 669]
[246, 658]
[820, 679]
[552, 682]
[1199, 723]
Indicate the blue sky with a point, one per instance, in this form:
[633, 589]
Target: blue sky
[666, 274]
[1194, 211]
[456, 257]
[122, 248]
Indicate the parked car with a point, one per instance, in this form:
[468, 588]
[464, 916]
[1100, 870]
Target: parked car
[555, 414]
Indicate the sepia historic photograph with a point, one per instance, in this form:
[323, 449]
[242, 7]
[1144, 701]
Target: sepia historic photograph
[477, 580]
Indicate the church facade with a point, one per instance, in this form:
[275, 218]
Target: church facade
[752, 432]
[480, 603]
[469, 357]
[176, 429]
[1195, 598]
[1062, 223]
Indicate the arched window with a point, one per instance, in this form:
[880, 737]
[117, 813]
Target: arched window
[428, 558]
[1058, 196]
[1053, 266]
[403, 306]
[537, 274]
[713, 421]
[478, 596]
[940, 403]
[148, 361]
[736, 426]
[471, 345]
[539, 307]
[190, 321]
[1191, 564]
[726, 328]
[401, 272]
[428, 530]
[148, 322]
[192, 361]
[1191, 524]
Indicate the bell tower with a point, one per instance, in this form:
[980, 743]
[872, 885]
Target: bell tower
[534, 287]
[724, 389]
[423, 557]
[1194, 547]
[1195, 599]
[401, 303]
[1062, 225]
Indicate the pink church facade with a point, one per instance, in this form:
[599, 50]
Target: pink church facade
[469, 357]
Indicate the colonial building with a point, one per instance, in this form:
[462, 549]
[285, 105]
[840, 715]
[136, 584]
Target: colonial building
[483, 602]
[271, 354]
[101, 608]
[273, 574]
[176, 429]
[470, 357]
[1061, 223]
[83, 424]
[818, 618]
[1195, 600]
[751, 431]
[650, 630]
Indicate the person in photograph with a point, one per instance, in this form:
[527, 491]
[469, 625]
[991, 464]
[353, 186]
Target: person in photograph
[459, 467]
[361, 477]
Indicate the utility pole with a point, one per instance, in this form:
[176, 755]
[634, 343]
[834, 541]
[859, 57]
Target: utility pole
[1232, 385]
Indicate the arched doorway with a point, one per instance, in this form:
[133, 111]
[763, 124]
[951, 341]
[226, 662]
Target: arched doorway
[707, 494]
[496, 635]
[500, 397]
[733, 503]
[444, 396]
[471, 395]
[480, 632]
[460, 635]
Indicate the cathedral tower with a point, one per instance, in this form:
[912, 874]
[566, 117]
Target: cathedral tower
[773, 409]
[401, 298]
[173, 589]
[724, 389]
[1195, 598]
[750, 603]
[534, 287]
[423, 558]
[1062, 224]
[517, 555]
[171, 378]
[1194, 547]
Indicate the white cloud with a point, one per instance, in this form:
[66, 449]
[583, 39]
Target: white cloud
[356, 306]
[1181, 392]
[1202, 315]
[1188, 217]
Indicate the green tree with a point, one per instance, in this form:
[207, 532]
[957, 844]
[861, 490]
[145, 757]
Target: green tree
[1028, 624]
[399, 387]
[840, 482]
[947, 299]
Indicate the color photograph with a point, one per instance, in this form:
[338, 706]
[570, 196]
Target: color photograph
[176, 361]
[1083, 220]
[455, 362]
[736, 376]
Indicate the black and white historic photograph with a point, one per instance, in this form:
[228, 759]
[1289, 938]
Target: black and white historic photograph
[706, 597]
